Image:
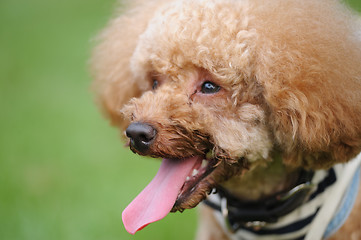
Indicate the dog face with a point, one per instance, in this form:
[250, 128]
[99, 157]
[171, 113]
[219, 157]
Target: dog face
[183, 115]
[230, 81]
[192, 107]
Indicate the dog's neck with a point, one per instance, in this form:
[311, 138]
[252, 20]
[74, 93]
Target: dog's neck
[263, 180]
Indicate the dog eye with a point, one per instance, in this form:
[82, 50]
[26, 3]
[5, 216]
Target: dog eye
[155, 84]
[209, 88]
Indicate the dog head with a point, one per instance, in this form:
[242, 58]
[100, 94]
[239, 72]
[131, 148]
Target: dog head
[232, 81]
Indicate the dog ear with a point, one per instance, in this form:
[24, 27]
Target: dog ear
[114, 83]
[312, 88]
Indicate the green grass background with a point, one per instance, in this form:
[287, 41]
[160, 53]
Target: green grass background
[63, 171]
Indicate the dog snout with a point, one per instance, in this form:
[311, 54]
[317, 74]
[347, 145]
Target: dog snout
[141, 136]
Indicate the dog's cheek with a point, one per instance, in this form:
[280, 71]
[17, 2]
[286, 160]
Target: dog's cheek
[244, 136]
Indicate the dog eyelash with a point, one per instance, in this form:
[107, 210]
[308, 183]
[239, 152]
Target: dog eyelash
[210, 88]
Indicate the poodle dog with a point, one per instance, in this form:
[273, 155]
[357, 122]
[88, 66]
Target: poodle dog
[253, 105]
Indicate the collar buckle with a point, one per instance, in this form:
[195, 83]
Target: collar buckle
[308, 187]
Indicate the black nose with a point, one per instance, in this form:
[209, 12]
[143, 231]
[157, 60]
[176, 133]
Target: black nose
[141, 136]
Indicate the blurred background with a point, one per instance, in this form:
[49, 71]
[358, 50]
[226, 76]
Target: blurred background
[64, 173]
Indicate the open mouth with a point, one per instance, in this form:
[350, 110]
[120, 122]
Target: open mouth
[202, 168]
[176, 182]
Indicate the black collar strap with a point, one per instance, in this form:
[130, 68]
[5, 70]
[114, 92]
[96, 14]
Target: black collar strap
[257, 214]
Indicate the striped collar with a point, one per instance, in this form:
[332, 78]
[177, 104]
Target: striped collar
[296, 223]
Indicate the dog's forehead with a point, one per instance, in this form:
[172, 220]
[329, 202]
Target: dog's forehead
[187, 33]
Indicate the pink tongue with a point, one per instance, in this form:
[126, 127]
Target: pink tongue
[158, 198]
